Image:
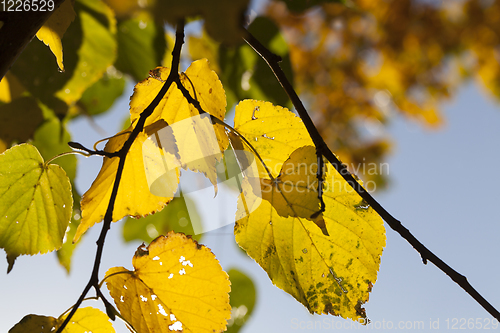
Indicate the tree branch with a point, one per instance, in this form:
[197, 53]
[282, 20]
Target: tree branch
[122, 154]
[272, 61]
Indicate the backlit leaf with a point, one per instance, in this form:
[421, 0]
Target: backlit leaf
[85, 320]
[295, 191]
[199, 143]
[328, 274]
[328, 263]
[54, 28]
[273, 131]
[177, 285]
[35, 202]
[134, 197]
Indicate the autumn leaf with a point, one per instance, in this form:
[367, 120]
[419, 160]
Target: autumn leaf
[176, 285]
[199, 142]
[295, 191]
[85, 320]
[273, 131]
[35, 203]
[53, 30]
[329, 272]
[134, 197]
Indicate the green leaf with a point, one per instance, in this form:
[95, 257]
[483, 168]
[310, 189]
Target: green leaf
[16, 125]
[174, 216]
[35, 203]
[141, 46]
[101, 95]
[89, 48]
[51, 139]
[242, 299]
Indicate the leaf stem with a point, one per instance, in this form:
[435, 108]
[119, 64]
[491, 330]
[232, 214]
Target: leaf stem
[272, 61]
[122, 154]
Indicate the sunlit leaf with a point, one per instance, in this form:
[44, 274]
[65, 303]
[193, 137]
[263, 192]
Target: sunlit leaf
[85, 320]
[134, 197]
[328, 274]
[273, 131]
[54, 28]
[35, 202]
[141, 46]
[177, 285]
[174, 217]
[328, 262]
[295, 191]
[242, 299]
[199, 143]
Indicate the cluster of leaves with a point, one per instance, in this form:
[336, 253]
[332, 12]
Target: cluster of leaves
[174, 274]
[317, 240]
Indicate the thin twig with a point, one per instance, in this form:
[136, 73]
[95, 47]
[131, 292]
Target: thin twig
[122, 154]
[272, 61]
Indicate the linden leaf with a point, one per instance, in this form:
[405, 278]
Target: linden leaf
[53, 30]
[327, 274]
[35, 203]
[273, 131]
[134, 197]
[295, 191]
[177, 285]
[85, 320]
[199, 143]
[330, 269]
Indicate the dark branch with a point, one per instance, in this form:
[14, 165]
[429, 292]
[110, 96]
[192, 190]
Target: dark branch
[17, 30]
[122, 154]
[273, 62]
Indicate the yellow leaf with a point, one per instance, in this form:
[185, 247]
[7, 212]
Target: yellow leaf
[85, 320]
[329, 269]
[53, 30]
[177, 285]
[327, 274]
[295, 191]
[134, 197]
[88, 320]
[200, 144]
[273, 130]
